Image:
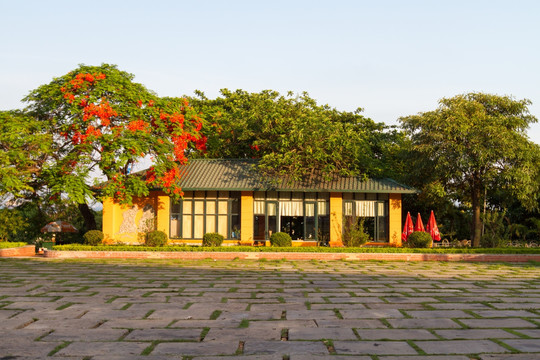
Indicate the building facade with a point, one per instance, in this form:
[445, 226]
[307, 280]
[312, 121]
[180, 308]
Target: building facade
[231, 198]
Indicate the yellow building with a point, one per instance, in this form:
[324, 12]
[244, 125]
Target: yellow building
[230, 197]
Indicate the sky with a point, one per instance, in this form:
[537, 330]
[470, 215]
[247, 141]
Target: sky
[390, 58]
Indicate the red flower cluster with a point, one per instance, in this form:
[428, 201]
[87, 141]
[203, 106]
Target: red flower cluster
[102, 111]
[254, 147]
[138, 125]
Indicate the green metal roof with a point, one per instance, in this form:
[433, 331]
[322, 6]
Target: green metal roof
[241, 175]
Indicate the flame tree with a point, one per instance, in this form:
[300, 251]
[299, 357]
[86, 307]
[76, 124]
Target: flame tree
[100, 122]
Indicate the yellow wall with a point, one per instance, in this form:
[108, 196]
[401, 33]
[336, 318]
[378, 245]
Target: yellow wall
[395, 219]
[246, 217]
[124, 223]
[336, 219]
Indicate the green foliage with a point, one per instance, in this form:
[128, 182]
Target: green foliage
[212, 239]
[11, 222]
[354, 233]
[472, 144]
[293, 135]
[496, 232]
[419, 239]
[280, 239]
[9, 244]
[93, 237]
[25, 149]
[156, 238]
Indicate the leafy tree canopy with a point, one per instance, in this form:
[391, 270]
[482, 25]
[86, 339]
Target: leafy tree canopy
[102, 121]
[293, 135]
[472, 144]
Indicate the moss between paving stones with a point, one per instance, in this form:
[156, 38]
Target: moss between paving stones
[10, 245]
[77, 247]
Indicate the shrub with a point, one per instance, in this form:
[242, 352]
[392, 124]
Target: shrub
[93, 237]
[419, 239]
[280, 239]
[156, 238]
[212, 239]
[355, 234]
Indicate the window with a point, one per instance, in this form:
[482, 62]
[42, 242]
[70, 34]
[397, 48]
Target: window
[203, 212]
[372, 209]
[304, 216]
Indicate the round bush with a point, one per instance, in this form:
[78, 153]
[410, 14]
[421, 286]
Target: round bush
[419, 239]
[212, 239]
[93, 237]
[280, 239]
[156, 238]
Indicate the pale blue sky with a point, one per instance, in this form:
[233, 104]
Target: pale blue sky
[392, 58]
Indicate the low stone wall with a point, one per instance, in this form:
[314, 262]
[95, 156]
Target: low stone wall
[289, 256]
[28, 250]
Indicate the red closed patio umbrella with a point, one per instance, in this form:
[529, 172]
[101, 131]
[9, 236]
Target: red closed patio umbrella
[408, 228]
[419, 224]
[432, 228]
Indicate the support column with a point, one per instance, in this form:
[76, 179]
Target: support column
[163, 212]
[246, 218]
[394, 220]
[336, 219]
[108, 220]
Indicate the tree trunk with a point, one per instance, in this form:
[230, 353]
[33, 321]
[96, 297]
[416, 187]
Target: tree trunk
[476, 222]
[88, 216]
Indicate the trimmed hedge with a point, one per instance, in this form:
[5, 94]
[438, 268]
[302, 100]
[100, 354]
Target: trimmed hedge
[156, 238]
[419, 239]
[188, 248]
[281, 239]
[212, 239]
[93, 237]
[10, 245]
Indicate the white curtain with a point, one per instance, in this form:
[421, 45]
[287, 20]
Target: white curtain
[322, 208]
[365, 208]
[258, 207]
[291, 208]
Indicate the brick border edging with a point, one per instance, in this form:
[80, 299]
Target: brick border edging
[195, 255]
[27, 250]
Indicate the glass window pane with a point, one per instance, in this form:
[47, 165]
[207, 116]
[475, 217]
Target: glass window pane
[235, 226]
[211, 194]
[347, 196]
[259, 195]
[258, 207]
[199, 194]
[198, 230]
[382, 196]
[188, 195]
[310, 209]
[199, 207]
[175, 223]
[310, 228]
[175, 208]
[222, 226]
[186, 227]
[272, 195]
[348, 209]
[223, 207]
[224, 194]
[285, 195]
[210, 207]
[235, 206]
[323, 196]
[210, 223]
[371, 196]
[322, 207]
[310, 196]
[187, 207]
[272, 209]
[258, 227]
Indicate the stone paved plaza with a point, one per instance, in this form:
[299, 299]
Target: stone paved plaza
[51, 309]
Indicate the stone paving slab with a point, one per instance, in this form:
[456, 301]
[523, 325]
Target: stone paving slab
[268, 310]
[460, 347]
